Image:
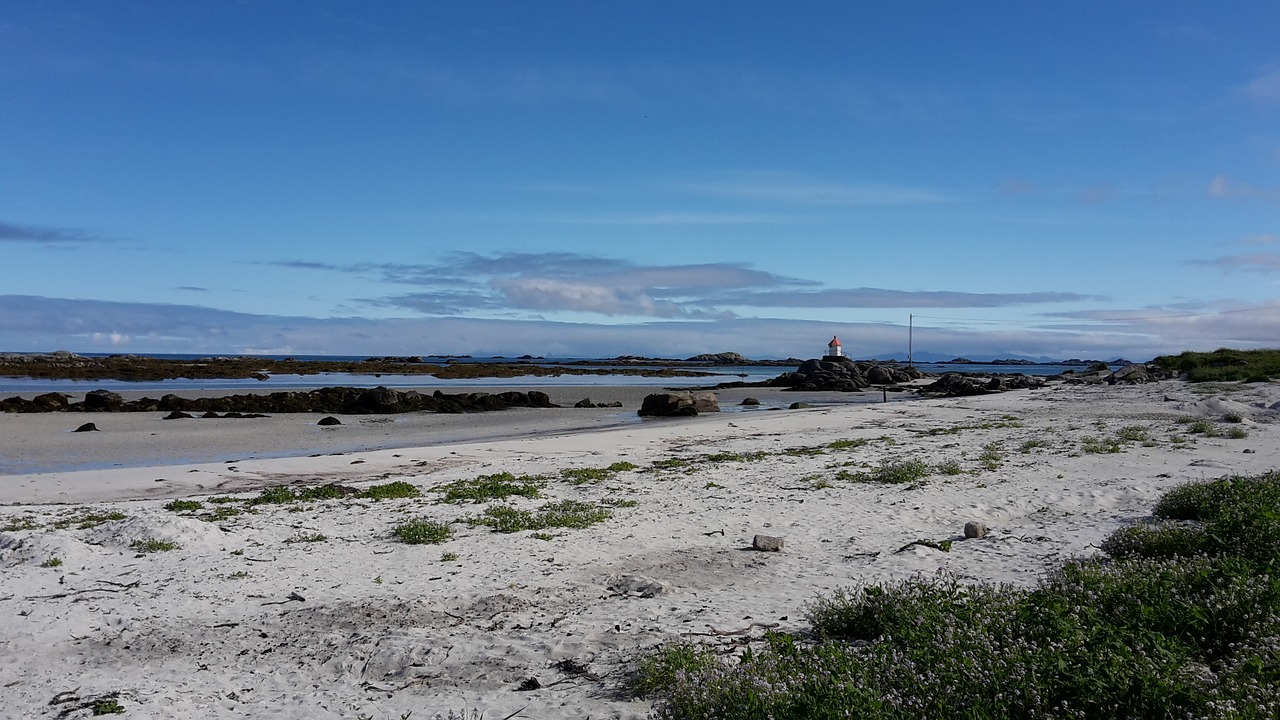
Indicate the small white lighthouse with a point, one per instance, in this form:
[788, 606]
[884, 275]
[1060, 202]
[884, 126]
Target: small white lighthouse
[834, 348]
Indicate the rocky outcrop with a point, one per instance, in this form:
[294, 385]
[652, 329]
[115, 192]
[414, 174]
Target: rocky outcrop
[723, 358]
[678, 404]
[335, 400]
[843, 375]
[1131, 374]
[958, 385]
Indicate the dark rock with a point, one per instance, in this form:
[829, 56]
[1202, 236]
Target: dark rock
[51, 401]
[957, 385]
[668, 405]
[87, 427]
[799, 406]
[177, 415]
[766, 543]
[879, 375]
[102, 401]
[329, 420]
[211, 415]
[750, 401]
[975, 529]
[540, 400]
[584, 403]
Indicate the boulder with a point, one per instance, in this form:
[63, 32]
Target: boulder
[51, 401]
[975, 529]
[177, 415]
[766, 543]
[1129, 375]
[329, 420]
[668, 405]
[705, 402]
[87, 427]
[750, 401]
[102, 401]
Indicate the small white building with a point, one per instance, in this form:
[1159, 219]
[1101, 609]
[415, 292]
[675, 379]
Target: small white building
[834, 347]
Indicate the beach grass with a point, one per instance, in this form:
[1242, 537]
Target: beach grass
[498, 486]
[890, 472]
[1181, 620]
[422, 532]
[572, 514]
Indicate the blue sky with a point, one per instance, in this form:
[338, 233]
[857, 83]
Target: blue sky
[1079, 179]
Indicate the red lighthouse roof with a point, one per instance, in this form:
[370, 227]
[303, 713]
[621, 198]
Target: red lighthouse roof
[835, 341]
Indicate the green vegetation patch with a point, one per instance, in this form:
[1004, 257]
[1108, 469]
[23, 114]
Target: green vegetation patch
[889, 472]
[992, 457]
[1008, 421]
[498, 486]
[307, 538]
[273, 496]
[23, 523]
[670, 464]
[1224, 365]
[1133, 433]
[949, 467]
[184, 506]
[422, 532]
[573, 514]
[722, 457]
[86, 519]
[153, 545]
[391, 491]
[579, 476]
[1094, 446]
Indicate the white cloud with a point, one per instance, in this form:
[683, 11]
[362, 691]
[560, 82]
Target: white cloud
[1265, 88]
[1256, 262]
[786, 189]
[1221, 187]
[43, 324]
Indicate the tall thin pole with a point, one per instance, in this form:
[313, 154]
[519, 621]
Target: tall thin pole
[911, 321]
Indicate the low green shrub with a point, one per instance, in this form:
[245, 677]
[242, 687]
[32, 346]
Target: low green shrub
[151, 545]
[278, 495]
[1133, 433]
[1094, 446]
[564, 514]
[422, 532]
[391, 491]
[889, 472]
[498, 486]
[184, 505]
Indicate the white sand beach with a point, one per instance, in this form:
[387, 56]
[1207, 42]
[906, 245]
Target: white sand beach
[314, 609]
